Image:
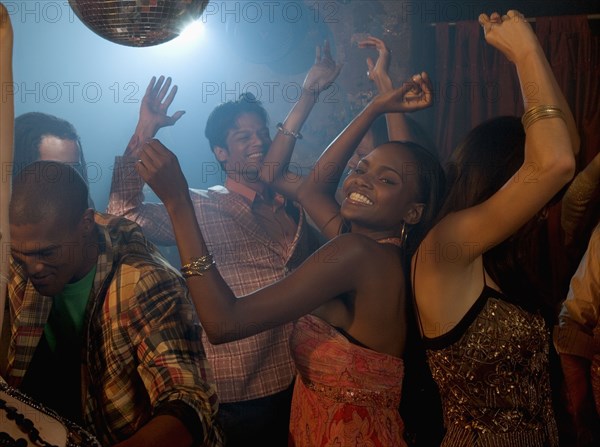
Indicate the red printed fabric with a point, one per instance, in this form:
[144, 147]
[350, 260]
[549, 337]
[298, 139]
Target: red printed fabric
[344, 394]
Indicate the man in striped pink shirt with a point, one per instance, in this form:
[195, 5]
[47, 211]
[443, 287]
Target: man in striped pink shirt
[256, 237]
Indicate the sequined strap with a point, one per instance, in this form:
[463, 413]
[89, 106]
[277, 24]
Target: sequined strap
[387, 399]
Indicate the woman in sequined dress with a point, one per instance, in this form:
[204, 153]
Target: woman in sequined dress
[348, 351]
[487, 342]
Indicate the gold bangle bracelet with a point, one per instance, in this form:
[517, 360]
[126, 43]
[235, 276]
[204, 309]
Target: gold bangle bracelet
[541, 112]
[197, 266]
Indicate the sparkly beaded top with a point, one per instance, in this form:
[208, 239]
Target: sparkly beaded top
[493, 374]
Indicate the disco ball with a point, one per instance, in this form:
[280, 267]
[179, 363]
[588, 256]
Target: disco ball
[138, 23]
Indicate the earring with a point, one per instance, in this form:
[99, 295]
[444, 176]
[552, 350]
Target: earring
[403, 234]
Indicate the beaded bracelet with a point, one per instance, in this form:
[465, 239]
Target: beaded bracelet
[198, 266]
[540, 112]
[290, 133]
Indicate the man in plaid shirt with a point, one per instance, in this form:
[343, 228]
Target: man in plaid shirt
[255, 235]
[102, 328]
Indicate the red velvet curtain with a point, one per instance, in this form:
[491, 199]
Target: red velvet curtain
[574, 55]
[474, 82]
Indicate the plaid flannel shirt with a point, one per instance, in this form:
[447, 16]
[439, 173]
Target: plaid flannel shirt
[247, 258]
[142, 337]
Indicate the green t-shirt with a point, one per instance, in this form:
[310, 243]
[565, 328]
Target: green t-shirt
[54, 374]
[65, 322]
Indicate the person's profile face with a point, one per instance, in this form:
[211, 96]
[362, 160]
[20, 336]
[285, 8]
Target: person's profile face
[50, 253]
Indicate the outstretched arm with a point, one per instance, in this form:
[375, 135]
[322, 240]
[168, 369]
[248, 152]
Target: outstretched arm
[126, 198]
[378, 72]
[159, 431]
[154, 113]
[548, 163]
[451, 286]
[319, 78]
[336, 268]
[317, 191]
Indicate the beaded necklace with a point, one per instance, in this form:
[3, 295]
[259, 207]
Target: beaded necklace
[391, 240]
[26, 425]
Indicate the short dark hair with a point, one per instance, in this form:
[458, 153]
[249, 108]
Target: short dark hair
[223, 118]
[483, 162]
[30, 128]
[48, 191]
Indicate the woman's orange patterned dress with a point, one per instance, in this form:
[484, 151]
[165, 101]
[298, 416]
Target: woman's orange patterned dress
[345, 394]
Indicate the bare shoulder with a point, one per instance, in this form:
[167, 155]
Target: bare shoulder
[453, 243]
[361, 252]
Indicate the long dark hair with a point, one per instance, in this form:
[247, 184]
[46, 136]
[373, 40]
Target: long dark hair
[423, 426]
[483, 162]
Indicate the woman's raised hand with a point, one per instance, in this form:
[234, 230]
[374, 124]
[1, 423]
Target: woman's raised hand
[510, 33]
[378, 71]
[415, 94]
[323, 72]
[160, 169]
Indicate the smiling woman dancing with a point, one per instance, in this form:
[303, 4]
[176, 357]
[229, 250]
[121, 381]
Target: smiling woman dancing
[349, 349]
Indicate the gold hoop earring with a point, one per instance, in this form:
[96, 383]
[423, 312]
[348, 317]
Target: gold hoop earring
[403, 234]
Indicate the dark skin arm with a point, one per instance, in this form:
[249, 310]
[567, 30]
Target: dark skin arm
[158, 432]
[317, 281]
[378, 72]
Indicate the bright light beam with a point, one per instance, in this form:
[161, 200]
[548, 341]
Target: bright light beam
[190, 40]
[192, 33]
